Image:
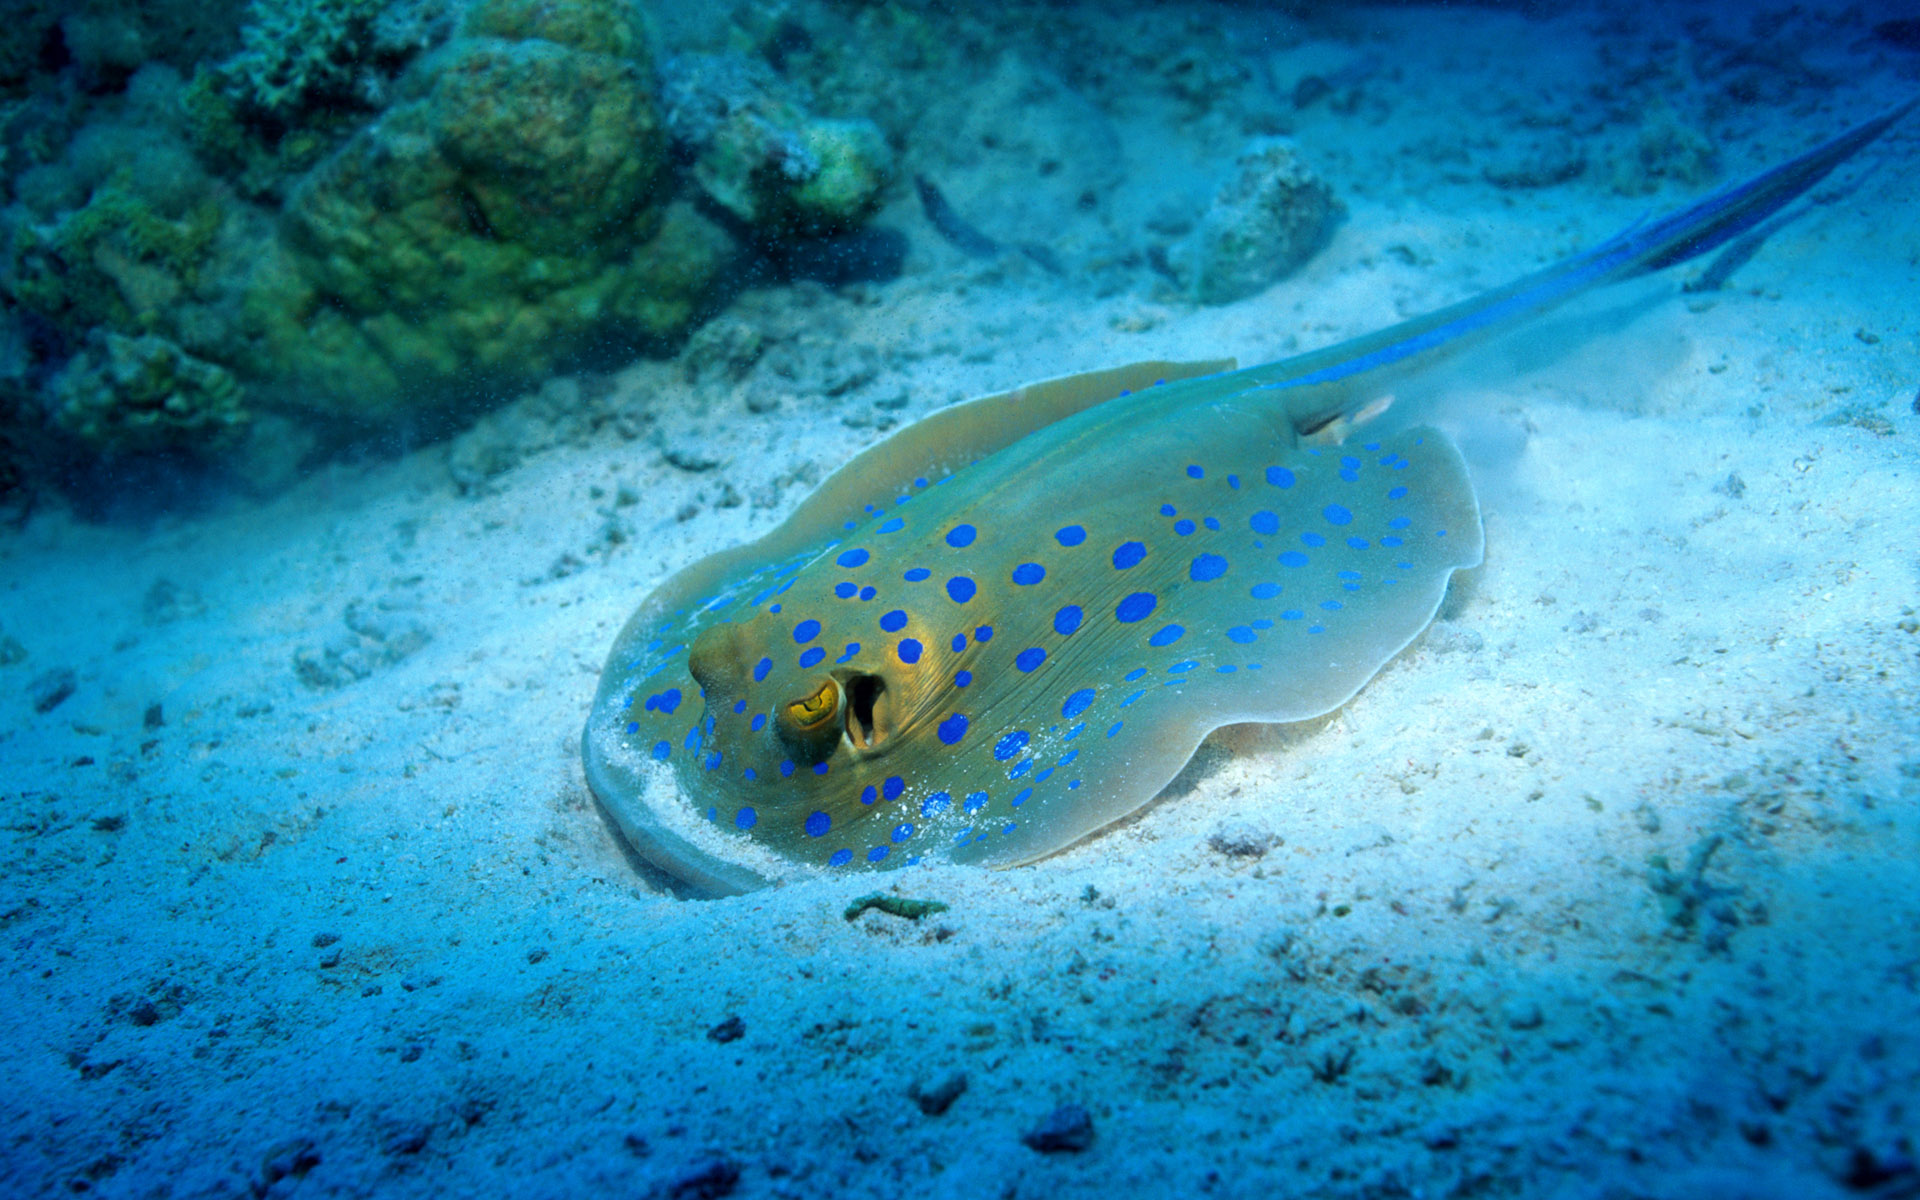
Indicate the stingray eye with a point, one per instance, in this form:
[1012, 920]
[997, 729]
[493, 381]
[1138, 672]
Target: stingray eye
[807, 727]
[817, 708]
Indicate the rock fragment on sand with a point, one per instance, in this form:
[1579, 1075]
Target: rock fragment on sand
[1066, 1130]
[1265, 224]
[1241, 839]
[50, 689]
[938, 1098]
[708, 1181]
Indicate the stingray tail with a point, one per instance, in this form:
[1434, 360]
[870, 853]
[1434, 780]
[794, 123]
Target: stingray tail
[1326, 386]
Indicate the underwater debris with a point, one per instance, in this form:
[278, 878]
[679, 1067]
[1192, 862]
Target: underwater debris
[1542, 162]
[50, 689]
[376, 635]
[1241, 840]
[1686, 896]
[894, 906]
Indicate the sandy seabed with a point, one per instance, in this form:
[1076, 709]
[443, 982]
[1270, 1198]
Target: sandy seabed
[1607, 886]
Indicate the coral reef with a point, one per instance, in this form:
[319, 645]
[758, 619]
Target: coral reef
[372, 214]
[124, 395]
[307, 72]
[104, 41]
[115, 261]
[297, 54]
[487, 228]
[1272, 217]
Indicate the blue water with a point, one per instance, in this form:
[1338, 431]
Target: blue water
[364, 367]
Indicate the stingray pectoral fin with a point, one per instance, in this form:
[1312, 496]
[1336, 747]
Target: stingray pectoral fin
[930, 448]
[944, 442]
[645, 802]
[1318, 576]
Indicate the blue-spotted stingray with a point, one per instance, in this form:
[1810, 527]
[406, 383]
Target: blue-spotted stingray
[1012, 623]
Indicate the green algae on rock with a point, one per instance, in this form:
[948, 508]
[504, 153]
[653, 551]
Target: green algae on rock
[513, 208]
[127, 395]
[494, 224]
[758, 153]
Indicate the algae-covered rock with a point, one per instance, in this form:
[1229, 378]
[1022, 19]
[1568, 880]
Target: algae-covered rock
[556, 146]
[307, 72]
[512, 208]
[116, 261]
[850, 164]
[1663, 150]
[296, 55]
[758, 153]
[1269, 219]
[507, 217]
[600, 26]
[125, 395]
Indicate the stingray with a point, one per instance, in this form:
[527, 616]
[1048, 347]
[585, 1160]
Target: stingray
[1013, 623]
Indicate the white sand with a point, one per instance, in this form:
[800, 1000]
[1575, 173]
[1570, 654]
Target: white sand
[378, 936]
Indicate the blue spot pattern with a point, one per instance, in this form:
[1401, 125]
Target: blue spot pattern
[1206, 568]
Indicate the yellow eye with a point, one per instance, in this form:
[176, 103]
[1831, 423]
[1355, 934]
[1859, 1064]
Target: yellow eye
[817, 708]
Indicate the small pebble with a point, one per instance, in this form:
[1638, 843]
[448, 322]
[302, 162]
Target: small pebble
[1524, 1014]
[940, 1097]
[289, 1159]
[1067, 1129]
[709, 1181]
[50, 688]
[689, 459]
[411, 1139]
[730, 1030]
[1240, 841]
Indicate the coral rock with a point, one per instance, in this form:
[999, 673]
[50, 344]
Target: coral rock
[1264, 225]
[130, 395]
[758, 153]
